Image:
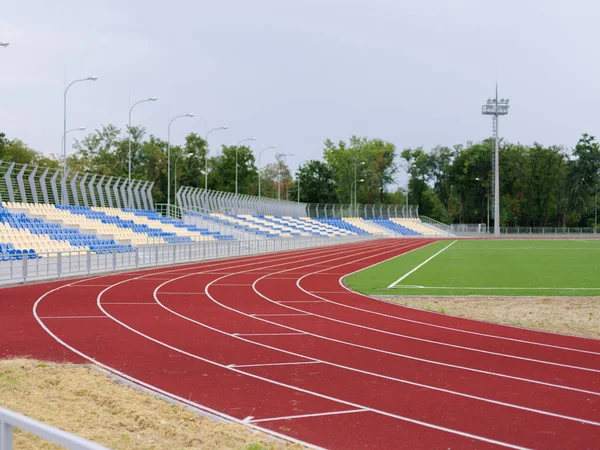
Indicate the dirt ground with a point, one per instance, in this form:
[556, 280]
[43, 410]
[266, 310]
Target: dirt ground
[94, 406]
[579, 316]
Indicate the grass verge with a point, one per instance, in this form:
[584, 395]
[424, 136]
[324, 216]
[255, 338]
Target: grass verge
[578, 316]
[92, 405]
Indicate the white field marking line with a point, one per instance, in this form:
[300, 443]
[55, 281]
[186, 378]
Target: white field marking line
[275, 364]
[429, 361]
[74, 317]
[302, 416]
[278, 315]
[419, 359]
[384, 376]
[300, 301]
[306, 391]
[475, 333]
[420, 265]
[233, 284]
[182, 293]
[157, 389]
[267, 334]
[313, 251]
[401, 286]
[129, 303]
[248, 419]
[422, 339]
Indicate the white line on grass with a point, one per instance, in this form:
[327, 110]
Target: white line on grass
[419, 266]
[466, 288]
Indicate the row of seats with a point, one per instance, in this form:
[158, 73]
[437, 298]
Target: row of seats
[36, 233]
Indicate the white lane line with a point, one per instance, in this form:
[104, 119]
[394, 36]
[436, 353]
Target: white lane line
[300, 301]
[233, 284]
[268, 334]
[132, 303]
[473, 288]
[157, 389]
[255, 259]
[87, 285]
[299, 389]
[248, 419]
[73, 317]
[389, 377]
[442, 327]
[297, 363]
[182, 293]
[278, 315]
[302, 416]
[420, 265]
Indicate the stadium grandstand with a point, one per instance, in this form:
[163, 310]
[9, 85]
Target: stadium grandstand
[48, 214]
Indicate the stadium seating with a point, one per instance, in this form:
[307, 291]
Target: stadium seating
[27, 229]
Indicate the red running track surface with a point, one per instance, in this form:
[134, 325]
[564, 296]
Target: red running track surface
[278, 342]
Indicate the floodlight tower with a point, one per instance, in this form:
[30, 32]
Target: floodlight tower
[496, 108]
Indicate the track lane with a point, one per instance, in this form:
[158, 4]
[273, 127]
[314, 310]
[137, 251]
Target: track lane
[190, 305]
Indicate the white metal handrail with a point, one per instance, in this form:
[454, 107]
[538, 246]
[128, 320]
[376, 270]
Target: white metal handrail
[10, 420]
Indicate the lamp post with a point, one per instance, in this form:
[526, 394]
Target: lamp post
[279, 157]
[69, 131]
[64, 143]
[169, 159]
[236, 161]
[496, 108]
[353, 185]
[206, 157]
[260, 153]
[151, 99]
[355, 204]
[301, 162]
[176, 160]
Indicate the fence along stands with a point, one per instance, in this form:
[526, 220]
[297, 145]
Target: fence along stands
[196, 199]
[33, 184]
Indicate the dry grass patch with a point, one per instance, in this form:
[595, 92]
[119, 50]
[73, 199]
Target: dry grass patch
[578, 316]
[92, 405]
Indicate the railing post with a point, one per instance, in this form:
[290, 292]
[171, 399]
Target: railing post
[137, 257]
[88, 261]
[25, 259]
[114, 260]
[156, 254]
[6, 436]
[58, 264]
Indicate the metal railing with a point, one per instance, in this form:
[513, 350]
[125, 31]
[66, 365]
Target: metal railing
[84, 262]
[10, 420]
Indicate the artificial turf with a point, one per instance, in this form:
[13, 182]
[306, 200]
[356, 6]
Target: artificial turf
[489, 267]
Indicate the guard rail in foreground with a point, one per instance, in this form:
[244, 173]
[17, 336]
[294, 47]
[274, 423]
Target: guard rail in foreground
[10, 420]
[84, 262]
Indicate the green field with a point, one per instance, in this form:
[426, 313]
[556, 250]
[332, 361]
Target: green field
[488, 267]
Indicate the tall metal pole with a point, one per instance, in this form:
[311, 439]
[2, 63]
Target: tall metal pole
[496, 176]
[151, 99]
[496, 108]
[169, 159]
[206, 155]
[64, 149]
[260, 153]
[355, 204]
[236, 161]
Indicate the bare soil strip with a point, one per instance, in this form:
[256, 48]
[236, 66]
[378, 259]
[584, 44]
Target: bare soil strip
[578, 316]
[92, 405]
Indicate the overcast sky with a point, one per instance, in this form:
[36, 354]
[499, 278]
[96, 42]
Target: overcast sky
[295, 73]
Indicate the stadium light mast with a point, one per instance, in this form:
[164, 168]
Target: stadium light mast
[496, 108]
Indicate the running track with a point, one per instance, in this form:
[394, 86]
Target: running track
[278, 342]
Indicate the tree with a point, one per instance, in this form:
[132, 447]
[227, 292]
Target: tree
[378, 171]
[316, 183]
[17, 151]
[222, 175]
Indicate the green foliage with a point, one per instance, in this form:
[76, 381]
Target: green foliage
[316, 183]
[222, 174]
[378, 169]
